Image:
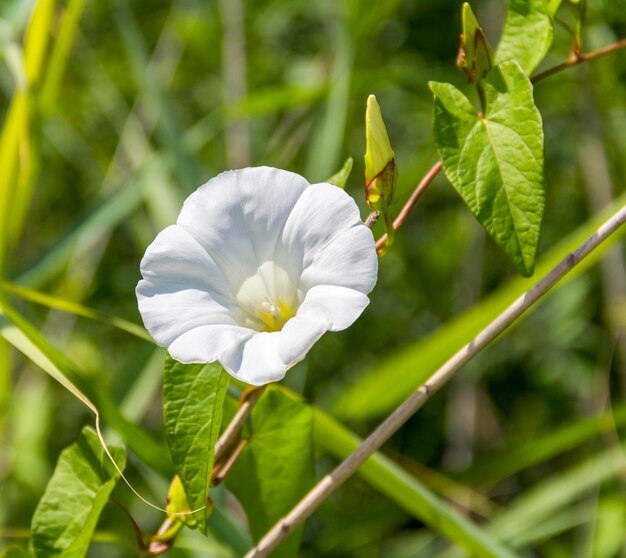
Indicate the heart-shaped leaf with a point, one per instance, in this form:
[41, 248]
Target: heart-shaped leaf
[68, 511]
[527, 33]
[495, 160]
[193, 401]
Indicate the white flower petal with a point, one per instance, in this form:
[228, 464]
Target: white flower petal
[176, 257]
[297, 336]
[169, 310]
[322, 212]
[339, 305]
[182, 287]
[349, 260]
[238, 216]
[207, 343]
[255, 360]
[266, 357]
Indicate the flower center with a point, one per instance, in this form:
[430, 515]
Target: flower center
[269, 298]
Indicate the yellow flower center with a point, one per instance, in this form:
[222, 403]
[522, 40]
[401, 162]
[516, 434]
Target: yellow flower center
[269, 298]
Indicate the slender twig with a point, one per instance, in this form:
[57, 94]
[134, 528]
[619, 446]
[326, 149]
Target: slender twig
[229, 464]
[233, 430]
[389, 426]
[404, 212]
[372, 218]
[578, 58]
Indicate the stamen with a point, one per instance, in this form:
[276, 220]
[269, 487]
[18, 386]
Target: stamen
[270, 308]
[269, 298]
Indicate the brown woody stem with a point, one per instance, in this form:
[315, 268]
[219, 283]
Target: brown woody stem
[404, 212]
[578, 58]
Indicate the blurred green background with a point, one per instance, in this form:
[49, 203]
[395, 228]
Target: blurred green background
[135, 104]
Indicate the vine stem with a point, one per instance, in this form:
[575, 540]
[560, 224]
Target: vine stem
[578, 58]
[329, 483]
[404, 212]
[232, 431]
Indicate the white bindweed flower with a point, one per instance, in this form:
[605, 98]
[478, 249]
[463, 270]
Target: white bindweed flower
[259, 265]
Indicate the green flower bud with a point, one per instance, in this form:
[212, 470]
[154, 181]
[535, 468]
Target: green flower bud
[380, 163]
[475, 53]
[177, 503]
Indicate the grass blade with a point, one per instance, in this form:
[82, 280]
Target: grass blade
[384, 475]
[74, 308]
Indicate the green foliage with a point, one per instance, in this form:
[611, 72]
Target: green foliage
[341, 176]
[193, 400]
[276, 468]
[394, 378]
[409, 492]
[495, 160]
[68, 512]
[540, 449]
[114, 111]
[73, 308]
[608, 536]
[14, 552]
[527, 33]
[552, 494]
[25, 337]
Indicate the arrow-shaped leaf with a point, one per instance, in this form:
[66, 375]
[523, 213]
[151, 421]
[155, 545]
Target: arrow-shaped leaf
[68, 512]
[495, 160]
[193, 401]
[527, 33]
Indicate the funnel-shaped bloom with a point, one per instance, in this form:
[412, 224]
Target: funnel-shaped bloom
[259, 265]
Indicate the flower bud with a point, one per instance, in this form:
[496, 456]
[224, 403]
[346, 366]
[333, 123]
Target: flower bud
[177, 503]
[380, 163]
[475, 53]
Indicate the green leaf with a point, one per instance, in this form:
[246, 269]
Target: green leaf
[68, 512]
[408, 492]
[27, 339]
[276, 468]
[553, 5]
[384, 386]
[341, 176]
[608, 533]
[495, 161]
[491, 469]
[193, 401]
[14, 552]
[559, 491]
[527, 33]
[73, 308]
